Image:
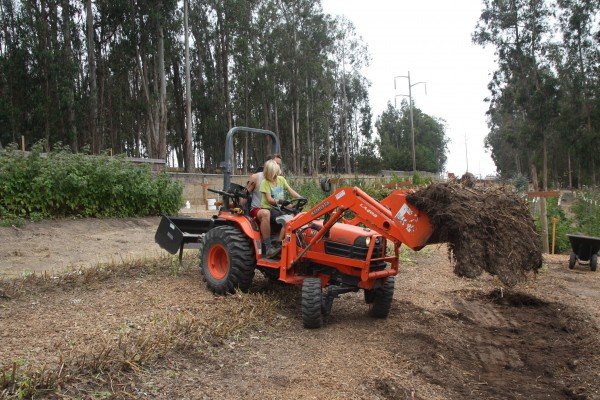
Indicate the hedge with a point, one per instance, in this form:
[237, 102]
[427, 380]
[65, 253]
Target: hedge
[63, 184]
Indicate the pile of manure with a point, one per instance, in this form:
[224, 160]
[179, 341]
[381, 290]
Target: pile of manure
[487, 229]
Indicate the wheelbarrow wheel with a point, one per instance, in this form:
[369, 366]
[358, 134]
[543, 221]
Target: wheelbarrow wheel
[572, 260]
[593, 262]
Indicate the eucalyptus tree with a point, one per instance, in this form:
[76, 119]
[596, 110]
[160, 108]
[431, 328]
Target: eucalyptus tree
[393, 126]
[523, 88]
[109, 75]
[350, 55]
[577, 63]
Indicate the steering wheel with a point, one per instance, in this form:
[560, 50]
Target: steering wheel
[297, 205]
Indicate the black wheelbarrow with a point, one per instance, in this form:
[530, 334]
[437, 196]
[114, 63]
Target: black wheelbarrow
[585, 249]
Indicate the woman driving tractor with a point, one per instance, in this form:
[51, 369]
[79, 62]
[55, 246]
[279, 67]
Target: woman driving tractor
[272, 191]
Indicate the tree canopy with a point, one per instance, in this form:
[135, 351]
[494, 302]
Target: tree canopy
[110, 74]
[395, 142]
[544, 111]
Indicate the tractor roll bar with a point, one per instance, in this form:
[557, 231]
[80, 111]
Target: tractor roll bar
[226, 165]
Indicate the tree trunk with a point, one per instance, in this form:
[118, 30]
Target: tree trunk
[293, 127]
[328, 145]
[71, 127]
[276, 111]
[224, 42]
[180, 113]
[344, 127]
[543, 204]
[246, 123]
[308, 139]
[92, 75]
[100, 127]
[593, 171]
[543, 212]
[570, 174]
[151, 131]
[44, 44]
[298, 155]
[162, 129]
[187, 140]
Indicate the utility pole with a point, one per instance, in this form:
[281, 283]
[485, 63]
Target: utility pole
[466, 152]
[412, 123]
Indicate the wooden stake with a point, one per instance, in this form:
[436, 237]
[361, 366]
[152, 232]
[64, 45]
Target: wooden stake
[205, 194]
[554, 221]
[23, 143]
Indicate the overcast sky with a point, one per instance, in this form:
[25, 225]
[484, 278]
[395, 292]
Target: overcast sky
[432, 40]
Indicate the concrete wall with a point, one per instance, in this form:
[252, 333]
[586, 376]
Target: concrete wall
[195, 185]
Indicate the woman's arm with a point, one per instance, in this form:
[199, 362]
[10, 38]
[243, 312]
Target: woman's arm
[270, 199]
[294, 193]
[287, 186]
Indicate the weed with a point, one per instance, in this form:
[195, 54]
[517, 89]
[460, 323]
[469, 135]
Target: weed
[12, 221]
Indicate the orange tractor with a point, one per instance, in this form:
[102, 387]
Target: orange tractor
[322, 250]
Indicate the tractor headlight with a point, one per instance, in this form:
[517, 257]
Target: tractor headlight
[368, 241]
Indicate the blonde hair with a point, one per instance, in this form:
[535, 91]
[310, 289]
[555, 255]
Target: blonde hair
[271, 170]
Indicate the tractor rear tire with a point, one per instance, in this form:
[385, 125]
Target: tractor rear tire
[593, 262]
[312, 298]
[381, 299]
[227, 260]
[572, 260]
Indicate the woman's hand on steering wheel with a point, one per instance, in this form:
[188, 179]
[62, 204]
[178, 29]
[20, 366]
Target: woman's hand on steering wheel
[293, 206]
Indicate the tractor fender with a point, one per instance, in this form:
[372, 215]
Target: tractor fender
[248, 227]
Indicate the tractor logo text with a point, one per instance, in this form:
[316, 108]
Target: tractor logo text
[320, 208]
[369, 211]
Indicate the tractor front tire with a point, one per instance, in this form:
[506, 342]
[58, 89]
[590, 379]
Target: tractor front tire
[572, 260]
[312, 298]
[227, 260]
[381, 299]
[593, 262]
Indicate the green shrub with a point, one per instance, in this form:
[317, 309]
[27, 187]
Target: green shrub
[308, 188]
[419, 180]
[563, 226]
[587, 212]
[311, 189]
[65, 184]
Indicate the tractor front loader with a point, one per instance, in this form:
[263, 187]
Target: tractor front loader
[324, 250]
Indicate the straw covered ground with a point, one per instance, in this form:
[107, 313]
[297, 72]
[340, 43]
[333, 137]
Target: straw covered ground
[148, 328]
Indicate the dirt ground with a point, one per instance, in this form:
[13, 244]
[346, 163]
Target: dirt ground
[60, 244]
[446, 337]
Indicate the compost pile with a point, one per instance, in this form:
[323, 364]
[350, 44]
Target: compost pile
[487, 229]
